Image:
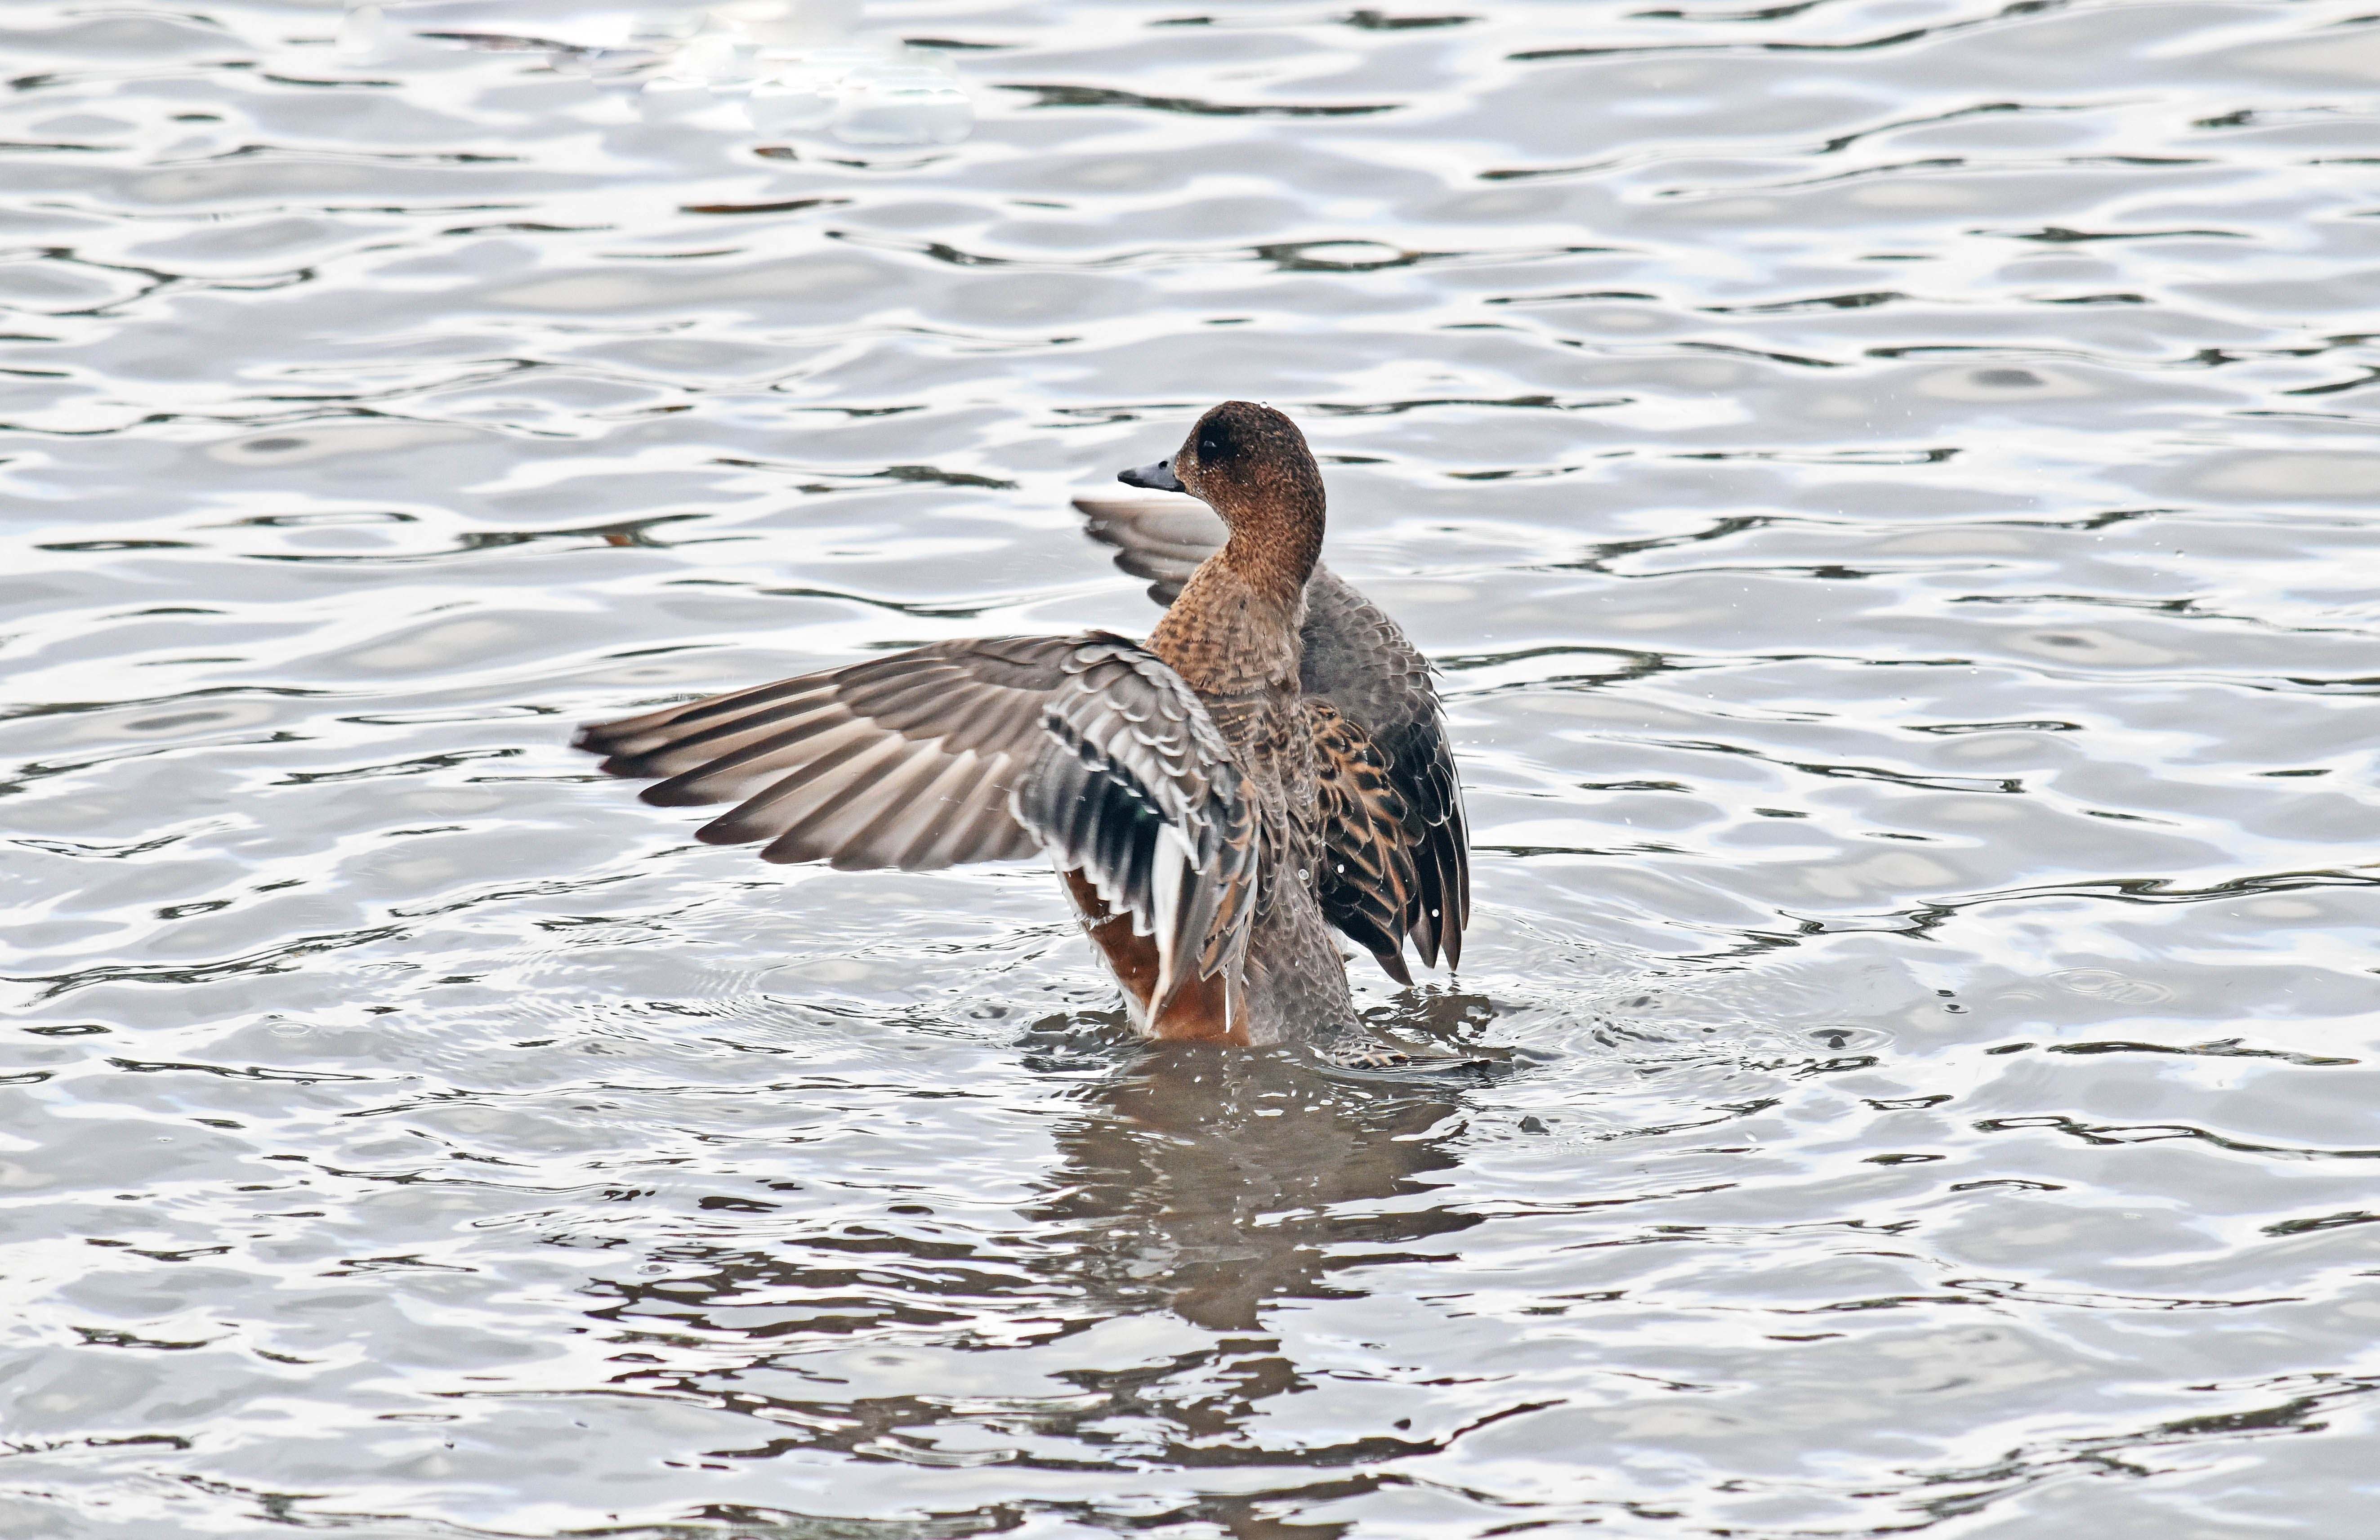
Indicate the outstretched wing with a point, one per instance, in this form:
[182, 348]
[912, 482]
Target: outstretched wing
[906, 762]
[1356, 659]
[1367, 879]
[1086, 746]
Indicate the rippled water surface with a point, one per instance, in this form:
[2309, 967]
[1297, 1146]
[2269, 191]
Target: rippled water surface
[1888, 483]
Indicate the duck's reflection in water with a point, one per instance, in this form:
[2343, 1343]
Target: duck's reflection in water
[1212, 1180]
[1200, 1183]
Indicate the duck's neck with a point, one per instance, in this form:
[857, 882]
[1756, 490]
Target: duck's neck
[1236, 625]
[1275, 554]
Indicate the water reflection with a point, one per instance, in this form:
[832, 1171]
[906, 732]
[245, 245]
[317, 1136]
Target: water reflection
[1204, 1185]
[1214, 1184]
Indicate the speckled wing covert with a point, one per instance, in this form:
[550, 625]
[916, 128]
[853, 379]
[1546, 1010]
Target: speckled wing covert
[1358, 660]
[1086, 746]
[1367, 878]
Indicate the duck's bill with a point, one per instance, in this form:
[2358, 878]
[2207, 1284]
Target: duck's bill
[1159, 478]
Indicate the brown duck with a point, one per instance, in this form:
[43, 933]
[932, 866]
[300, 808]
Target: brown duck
[1270, 763]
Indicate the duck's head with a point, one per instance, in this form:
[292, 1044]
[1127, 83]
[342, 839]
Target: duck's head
[1250, 464]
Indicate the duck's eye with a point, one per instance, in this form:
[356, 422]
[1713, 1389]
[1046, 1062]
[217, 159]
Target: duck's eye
[1220, 442]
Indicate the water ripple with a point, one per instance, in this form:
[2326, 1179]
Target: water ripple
[1885, 485]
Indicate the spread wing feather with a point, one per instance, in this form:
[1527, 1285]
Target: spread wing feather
[1161, 540]
[1358, 660]
[1086, 746]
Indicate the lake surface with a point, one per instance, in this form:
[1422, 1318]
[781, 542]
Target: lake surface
[1889, 485]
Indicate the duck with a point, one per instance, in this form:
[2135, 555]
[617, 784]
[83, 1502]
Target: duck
[1267, 772]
